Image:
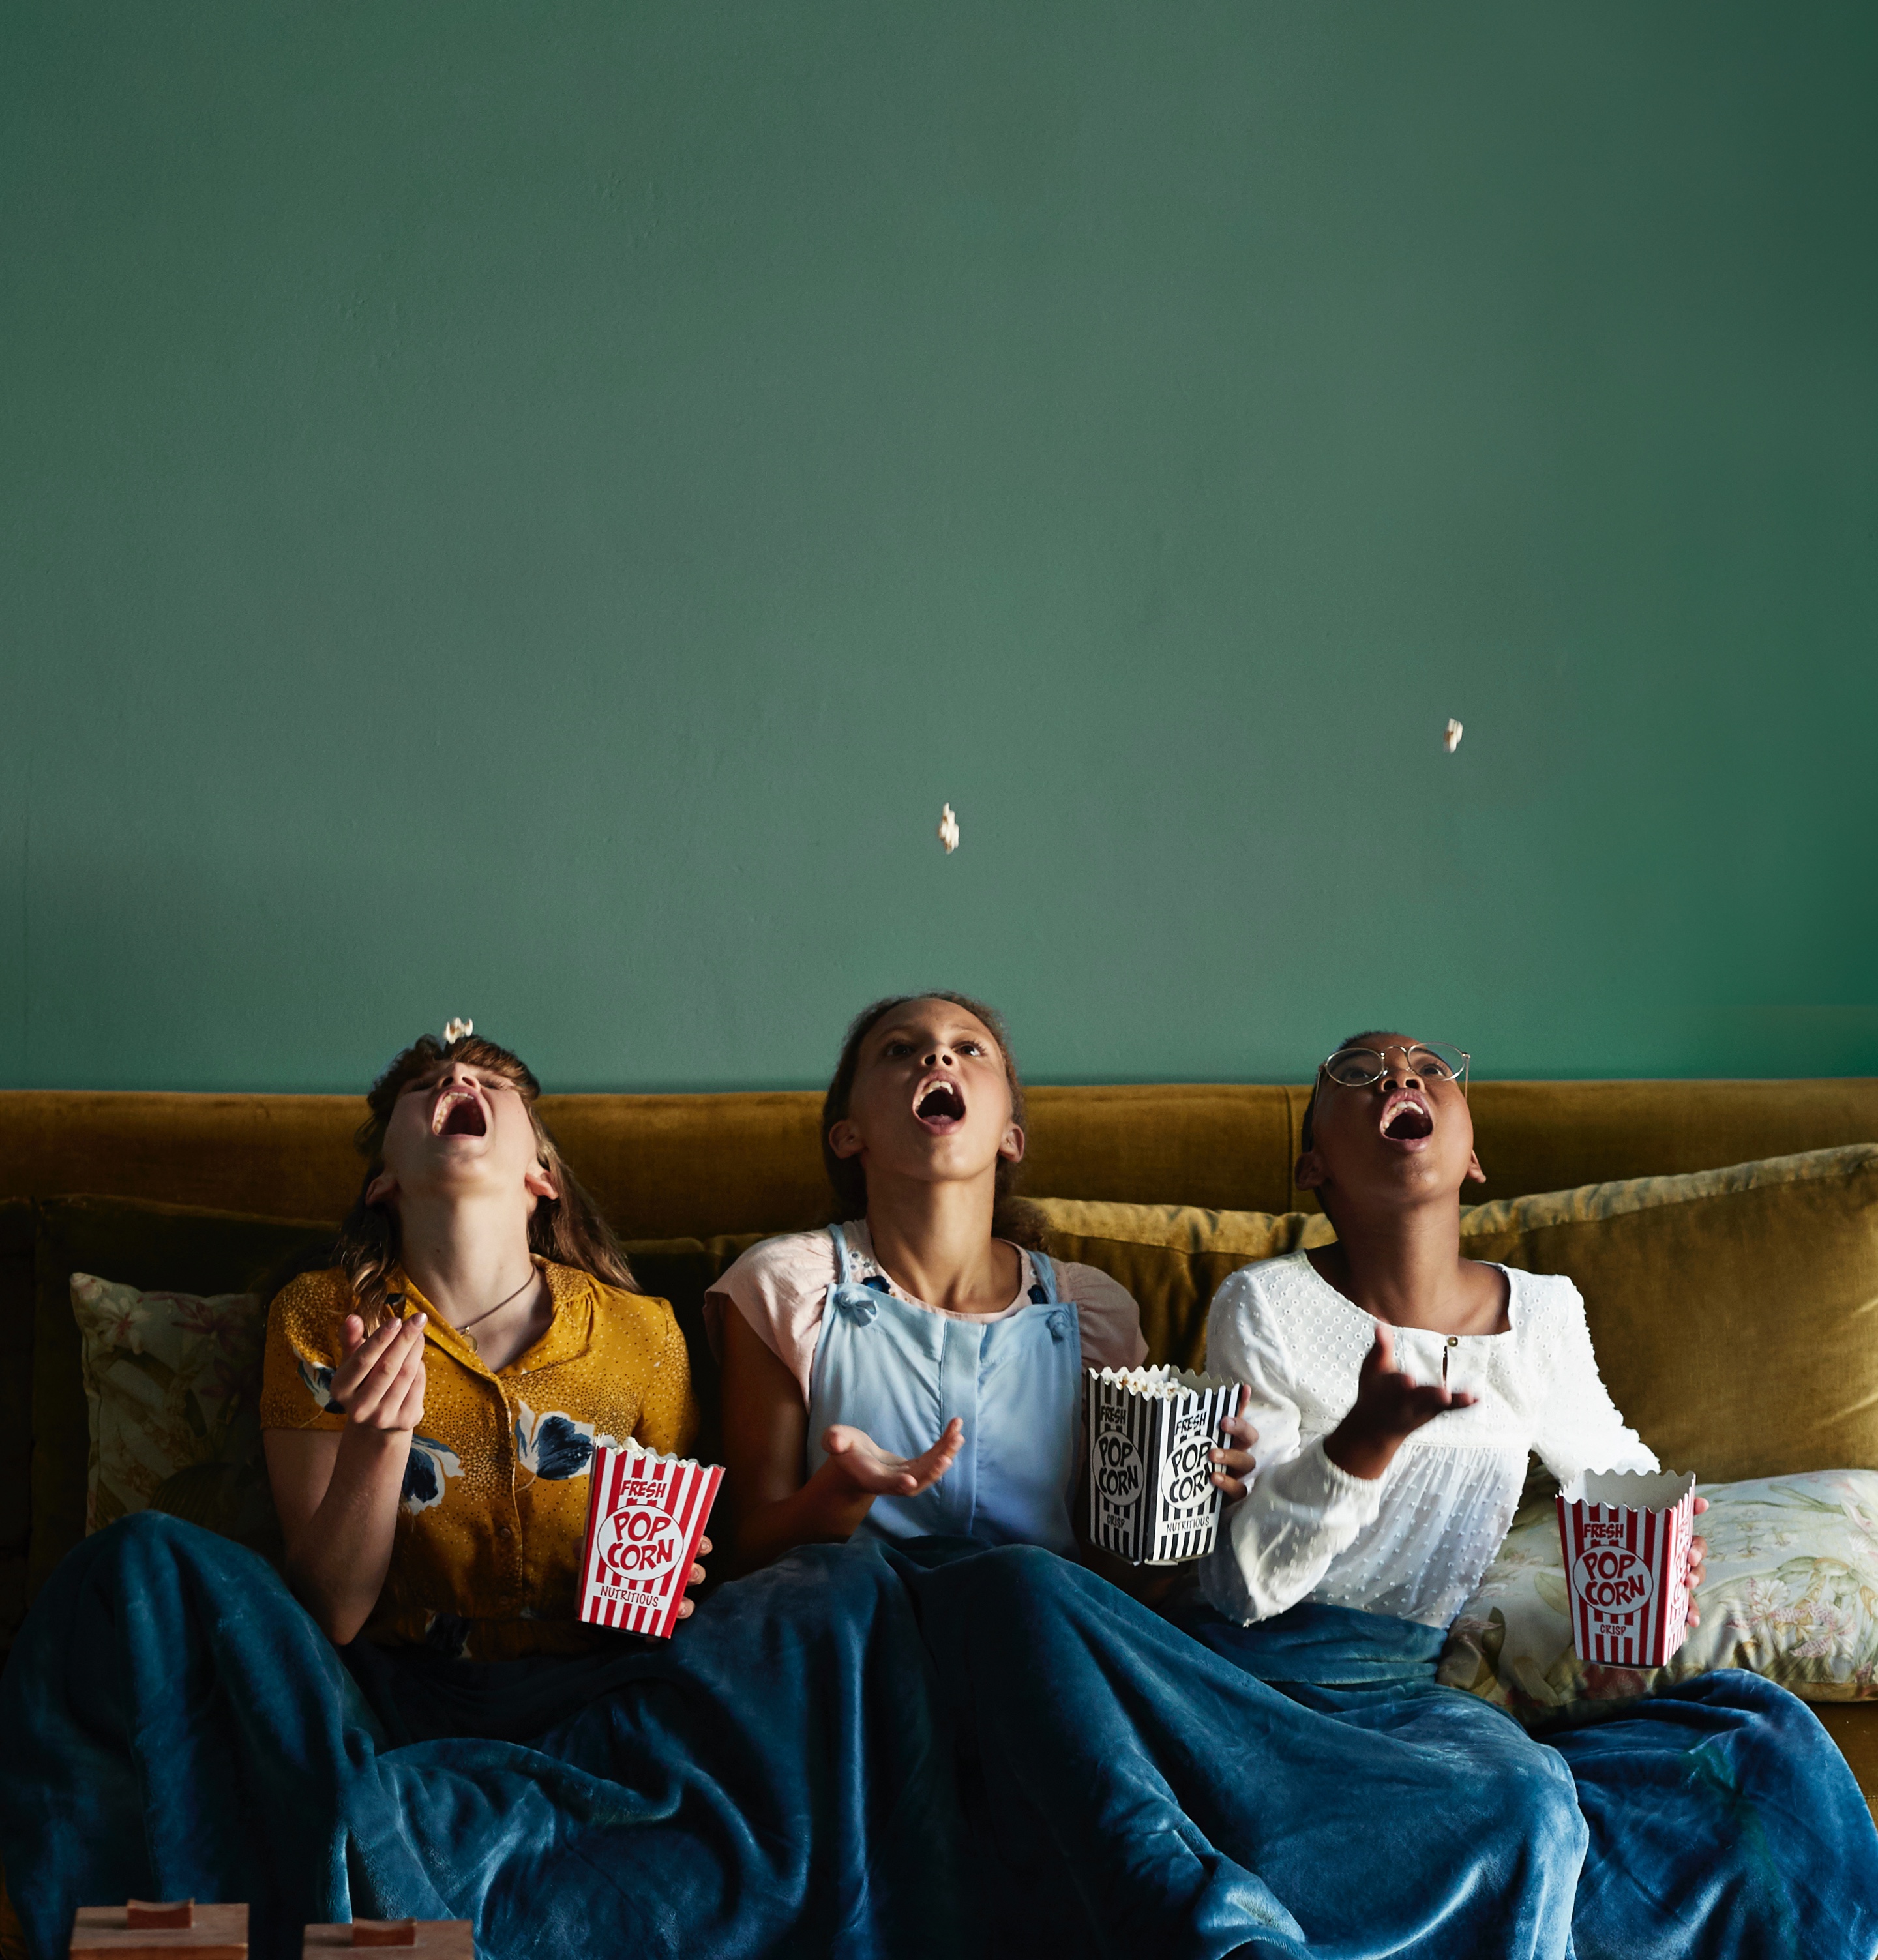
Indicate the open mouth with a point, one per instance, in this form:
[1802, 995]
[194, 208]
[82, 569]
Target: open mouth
[939, 1102]
[459, 1113]
[1406, 1119]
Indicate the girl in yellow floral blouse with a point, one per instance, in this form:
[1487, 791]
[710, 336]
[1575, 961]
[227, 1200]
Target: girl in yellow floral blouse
[175, 1722]
[431, 1402]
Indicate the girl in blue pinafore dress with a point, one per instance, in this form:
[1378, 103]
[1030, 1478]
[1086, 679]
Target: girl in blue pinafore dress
[917, 1371]
[911, 1376]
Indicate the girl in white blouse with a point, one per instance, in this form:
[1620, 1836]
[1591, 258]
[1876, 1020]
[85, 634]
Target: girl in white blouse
[1397, 1388]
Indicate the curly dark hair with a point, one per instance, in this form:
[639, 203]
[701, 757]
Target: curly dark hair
[568, 1230]
[1012, 1218]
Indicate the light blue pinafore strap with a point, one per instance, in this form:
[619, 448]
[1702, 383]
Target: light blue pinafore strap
[862, 1302]
[1044, 1267]
[844, 1259]
[901, 1372]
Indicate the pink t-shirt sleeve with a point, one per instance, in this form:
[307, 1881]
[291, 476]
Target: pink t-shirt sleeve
[780, 1287]
[1105, 1313]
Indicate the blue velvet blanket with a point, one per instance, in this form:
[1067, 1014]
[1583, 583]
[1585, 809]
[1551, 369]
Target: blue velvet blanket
[773, 1780]
[1717, 1820]
[866, 1752]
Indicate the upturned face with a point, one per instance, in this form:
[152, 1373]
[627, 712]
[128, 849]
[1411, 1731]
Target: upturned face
[1405, 1137]
[460, 1131]
[931, 1102]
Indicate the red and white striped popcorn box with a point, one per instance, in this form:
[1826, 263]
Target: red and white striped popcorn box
[1626, 1538]
[645, 1514]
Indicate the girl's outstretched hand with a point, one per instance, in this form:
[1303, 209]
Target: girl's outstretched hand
[696, 1577]
[854, 1455]
[1233, 1468]
[379, 1385]
[1390, 1406]
[1698, 1552]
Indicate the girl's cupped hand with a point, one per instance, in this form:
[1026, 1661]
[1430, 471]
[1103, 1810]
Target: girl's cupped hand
[1390, 1407]
[379, 1385]
[855, 1454]
[1232, 1468]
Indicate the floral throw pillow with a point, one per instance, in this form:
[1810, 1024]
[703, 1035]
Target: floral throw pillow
[1790, 1591]
[173, 1383]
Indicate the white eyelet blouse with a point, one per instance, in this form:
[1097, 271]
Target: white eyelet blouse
[1414, 1541]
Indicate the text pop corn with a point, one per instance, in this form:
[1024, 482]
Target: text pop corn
[1626, 1538]
[645, 1514]
[1152, 1433]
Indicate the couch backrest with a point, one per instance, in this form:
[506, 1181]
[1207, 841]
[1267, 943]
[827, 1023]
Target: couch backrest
[685, 1168]
[665, 1166]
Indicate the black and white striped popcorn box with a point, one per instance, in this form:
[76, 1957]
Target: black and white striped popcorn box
[1152, 1431]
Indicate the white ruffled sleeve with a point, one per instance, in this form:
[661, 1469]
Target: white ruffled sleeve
[1575, 1425]
[1278, 1542]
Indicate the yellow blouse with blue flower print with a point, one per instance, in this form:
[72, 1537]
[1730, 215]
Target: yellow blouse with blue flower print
[488, 1549]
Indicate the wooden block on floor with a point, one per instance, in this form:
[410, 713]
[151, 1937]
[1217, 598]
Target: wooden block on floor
[159, 1933]
[428, 1939]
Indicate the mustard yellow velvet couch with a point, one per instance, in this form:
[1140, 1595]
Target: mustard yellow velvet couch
[673, 1171]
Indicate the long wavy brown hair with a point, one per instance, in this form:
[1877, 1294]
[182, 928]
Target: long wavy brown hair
[1012, 1218]
[568, 1230]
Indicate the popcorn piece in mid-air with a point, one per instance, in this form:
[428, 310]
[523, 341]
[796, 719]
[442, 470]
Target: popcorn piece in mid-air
[1452, 740]
[948, 829]
[455, 1030]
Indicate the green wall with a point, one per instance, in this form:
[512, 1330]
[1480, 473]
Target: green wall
[527, 511]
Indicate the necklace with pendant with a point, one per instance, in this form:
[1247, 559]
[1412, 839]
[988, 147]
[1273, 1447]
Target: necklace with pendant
[464, 1328]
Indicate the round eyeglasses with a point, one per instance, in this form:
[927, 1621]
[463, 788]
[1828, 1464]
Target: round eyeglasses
[1434, 1061]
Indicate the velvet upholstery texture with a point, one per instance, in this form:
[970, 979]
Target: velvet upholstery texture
[670, 1166]
[1172, 1257]
[17, 1301]
[1735, 1312]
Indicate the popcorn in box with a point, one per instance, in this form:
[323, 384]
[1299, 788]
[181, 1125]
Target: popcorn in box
[1152, 1432]
[1626, 1535]
[645, 1514]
